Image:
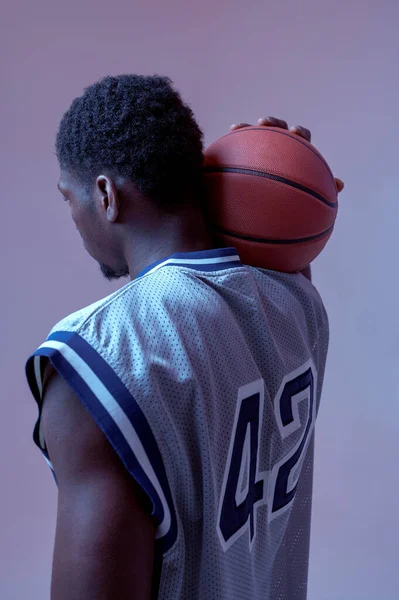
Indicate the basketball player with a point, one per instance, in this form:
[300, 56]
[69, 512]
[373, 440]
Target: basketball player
[177, 414]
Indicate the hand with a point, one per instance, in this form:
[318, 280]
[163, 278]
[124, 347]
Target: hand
[297, 129]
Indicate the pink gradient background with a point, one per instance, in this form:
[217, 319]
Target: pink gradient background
[330, 66]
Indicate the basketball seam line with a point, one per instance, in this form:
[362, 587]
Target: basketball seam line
[307, 145]
[274, 241]
[294, 184]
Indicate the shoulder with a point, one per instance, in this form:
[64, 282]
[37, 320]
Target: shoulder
[118, 331]
[294, 293]
[148, 293]
[75, 321]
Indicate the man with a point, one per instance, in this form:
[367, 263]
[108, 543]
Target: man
[177, 414]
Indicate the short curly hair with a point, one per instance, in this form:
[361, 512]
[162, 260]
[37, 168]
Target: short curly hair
[138, 127]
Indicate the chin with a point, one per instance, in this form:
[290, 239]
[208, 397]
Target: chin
[112, 274]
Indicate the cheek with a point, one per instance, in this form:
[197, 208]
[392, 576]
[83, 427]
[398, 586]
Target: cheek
[73, 214]
[80, 218]
[80, 225]
[75, 223]
[90, 232]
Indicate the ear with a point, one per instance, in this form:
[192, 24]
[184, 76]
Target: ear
[108, 194]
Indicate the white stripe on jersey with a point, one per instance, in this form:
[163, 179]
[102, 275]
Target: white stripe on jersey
[119, 417]
[36, 363]
[49, 464]
[195, 261]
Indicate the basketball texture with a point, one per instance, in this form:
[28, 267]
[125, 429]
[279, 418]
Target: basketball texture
[270, 194]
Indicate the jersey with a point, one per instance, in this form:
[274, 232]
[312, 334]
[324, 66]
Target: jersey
[205, 376]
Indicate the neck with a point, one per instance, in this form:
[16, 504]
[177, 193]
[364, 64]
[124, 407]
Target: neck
[173, 234]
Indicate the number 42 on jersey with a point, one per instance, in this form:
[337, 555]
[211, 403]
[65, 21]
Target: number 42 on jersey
[245, 488]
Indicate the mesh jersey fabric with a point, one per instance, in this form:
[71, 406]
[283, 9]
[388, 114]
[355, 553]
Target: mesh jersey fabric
[205, 375]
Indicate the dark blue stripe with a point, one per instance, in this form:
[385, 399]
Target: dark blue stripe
[135, 415]
[202, 255]
[211, 267]
[151, 266]
[206, 254]
[105, 422]
[31, 377]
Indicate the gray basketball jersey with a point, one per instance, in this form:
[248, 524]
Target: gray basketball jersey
[205, 375]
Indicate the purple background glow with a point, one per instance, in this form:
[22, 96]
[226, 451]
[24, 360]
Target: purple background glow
[330, 66]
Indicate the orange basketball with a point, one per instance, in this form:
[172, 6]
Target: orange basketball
[271, 195]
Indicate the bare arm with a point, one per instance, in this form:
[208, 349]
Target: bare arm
[104, 544]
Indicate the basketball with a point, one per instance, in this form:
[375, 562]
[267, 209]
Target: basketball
[271, 195]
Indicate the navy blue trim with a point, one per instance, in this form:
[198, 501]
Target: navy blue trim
[101, 416]
[204, 254]
[211, 267]
[103, 420]
[31, 377]
[200, 255]
[151, 266]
